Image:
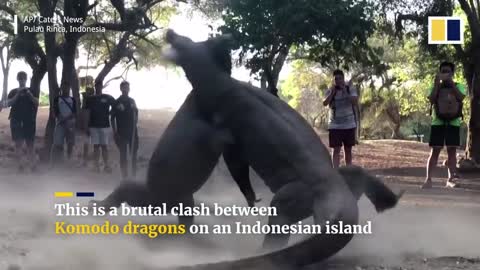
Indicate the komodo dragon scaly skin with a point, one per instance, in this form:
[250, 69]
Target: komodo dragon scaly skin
[284, 151]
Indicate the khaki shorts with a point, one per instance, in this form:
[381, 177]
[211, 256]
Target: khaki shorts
[99, 136]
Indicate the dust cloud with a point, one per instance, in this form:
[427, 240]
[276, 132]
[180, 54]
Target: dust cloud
[28, 239]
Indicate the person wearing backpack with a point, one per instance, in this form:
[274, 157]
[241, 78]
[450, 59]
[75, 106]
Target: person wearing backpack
[65, 110]
[446, 99]
[342, 100]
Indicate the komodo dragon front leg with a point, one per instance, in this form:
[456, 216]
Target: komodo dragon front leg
[279, 146]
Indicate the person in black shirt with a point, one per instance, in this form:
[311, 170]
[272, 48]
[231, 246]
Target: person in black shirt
[23, 119]
[98, 107]
[124, 118]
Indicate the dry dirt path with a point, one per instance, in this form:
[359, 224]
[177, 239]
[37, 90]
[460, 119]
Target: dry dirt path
[432, 229]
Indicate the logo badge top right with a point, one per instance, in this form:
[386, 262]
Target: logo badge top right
[445, 30]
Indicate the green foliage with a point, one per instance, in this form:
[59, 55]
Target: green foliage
[315, 28]
[44, 99]
[145, 45]
[303, 90]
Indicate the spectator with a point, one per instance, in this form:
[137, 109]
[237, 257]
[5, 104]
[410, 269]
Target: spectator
[98, 107]
[124, 120]
[342, 99]
[23, 120]
[445, 127]
[65, 110]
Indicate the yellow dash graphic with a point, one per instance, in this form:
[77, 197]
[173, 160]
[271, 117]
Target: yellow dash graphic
[63, 194]
[438, 30]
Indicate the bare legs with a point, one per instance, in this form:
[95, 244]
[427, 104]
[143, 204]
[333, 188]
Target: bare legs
[19, 154]
[336, 156]
[96, 155]
[452, 166]
[432, 163]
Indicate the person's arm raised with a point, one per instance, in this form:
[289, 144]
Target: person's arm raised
[436, 86]
[458, 94]
[33, 98]
[12, 98]
[331, 93]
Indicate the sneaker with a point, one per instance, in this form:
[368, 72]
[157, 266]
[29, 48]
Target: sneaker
[453, 182]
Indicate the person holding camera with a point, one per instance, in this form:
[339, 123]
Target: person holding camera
[65, 111]
[23, 120]
[446, 99]
[342, 100]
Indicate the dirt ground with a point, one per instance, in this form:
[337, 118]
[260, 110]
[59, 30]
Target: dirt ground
[430, 229]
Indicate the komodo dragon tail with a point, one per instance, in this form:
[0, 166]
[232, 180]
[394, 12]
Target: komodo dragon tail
[321, 246]
[311, 250]
[361, 182]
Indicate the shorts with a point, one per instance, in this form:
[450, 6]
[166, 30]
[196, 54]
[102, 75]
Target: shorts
[99, 136]
[339, 137]
[64, 134]
[83, 138]
[23, 129]
[444, 135]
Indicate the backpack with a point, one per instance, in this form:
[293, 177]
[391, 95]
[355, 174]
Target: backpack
[332, 105]
[447, 107]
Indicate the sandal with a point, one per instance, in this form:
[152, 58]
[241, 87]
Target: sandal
[453, 181]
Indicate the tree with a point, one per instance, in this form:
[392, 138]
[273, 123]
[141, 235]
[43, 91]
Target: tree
[468, 54]
[267, 30]
[24, 45]
[121, 28]
[6, 60]
[303, 89]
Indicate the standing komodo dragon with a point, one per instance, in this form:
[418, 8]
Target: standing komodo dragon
[282, 148]
[173, 176]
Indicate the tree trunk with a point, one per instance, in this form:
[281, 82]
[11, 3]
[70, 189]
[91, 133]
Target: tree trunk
[37, 76]
[53, 91]
[473, 138]
[396, 131]
[69, 73]
[263, 82]
[5, 70]
[5, 84]
[117, 54]
[75, 86]
[52, 52]
[273, 67]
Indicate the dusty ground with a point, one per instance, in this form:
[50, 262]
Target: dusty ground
[433, 229]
